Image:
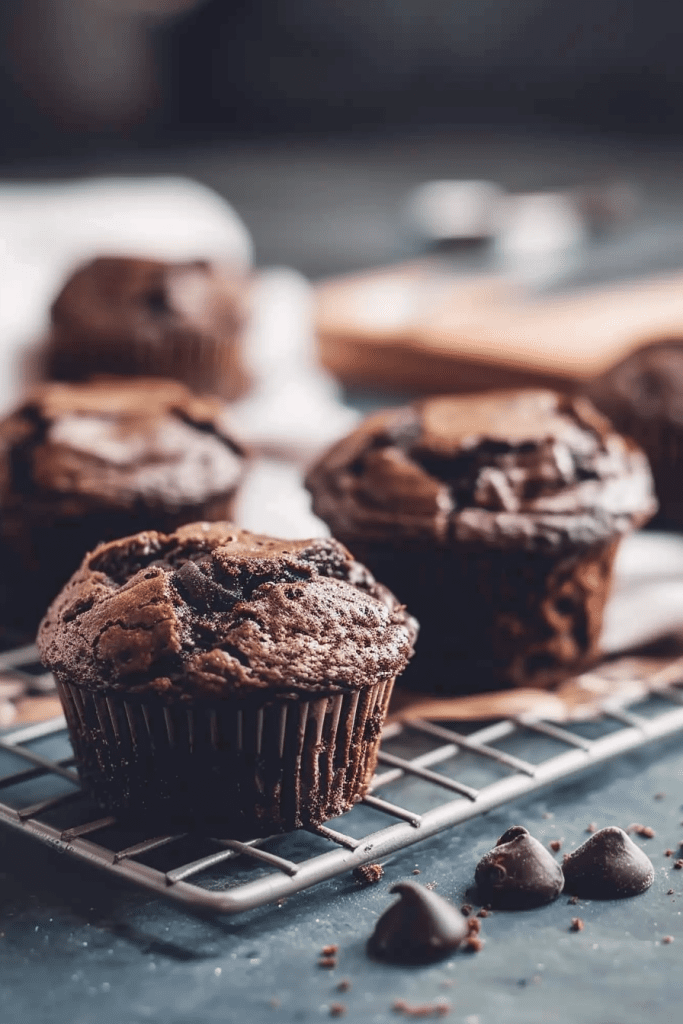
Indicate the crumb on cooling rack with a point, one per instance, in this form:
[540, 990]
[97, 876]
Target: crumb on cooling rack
[368, 874]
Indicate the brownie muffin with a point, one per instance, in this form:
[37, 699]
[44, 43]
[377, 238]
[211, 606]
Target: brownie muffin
[220, 680]
[496, 518]
[141, 317]
[83, 463]
[643, 397]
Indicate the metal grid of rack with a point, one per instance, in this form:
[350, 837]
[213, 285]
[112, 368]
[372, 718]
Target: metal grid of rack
[200, 873]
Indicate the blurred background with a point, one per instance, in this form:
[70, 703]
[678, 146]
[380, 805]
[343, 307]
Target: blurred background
[315, 118]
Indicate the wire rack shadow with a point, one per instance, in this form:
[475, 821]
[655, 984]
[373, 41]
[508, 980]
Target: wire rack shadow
[431, 776]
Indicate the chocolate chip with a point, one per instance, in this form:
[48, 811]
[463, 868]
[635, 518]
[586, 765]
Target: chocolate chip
[329, 950]
[344, 985]
[678, 864]
[473, 944]
[609, 865]
[466, 909]
[419, 928]
[555, 845]
[667, 940]
[337, 1009]
[518, 872]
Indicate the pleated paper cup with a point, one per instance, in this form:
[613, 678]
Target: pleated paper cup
[236, 767]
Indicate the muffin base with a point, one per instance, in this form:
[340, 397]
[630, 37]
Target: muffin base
[240, 768]
[496, 619]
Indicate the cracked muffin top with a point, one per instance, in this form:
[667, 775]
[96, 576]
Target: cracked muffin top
[212, 610]
[511, 468]
[113, 443]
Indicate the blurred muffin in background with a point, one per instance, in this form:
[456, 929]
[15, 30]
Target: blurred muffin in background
[643, 397]
[84, 463]
[142, 317]
[495, 517]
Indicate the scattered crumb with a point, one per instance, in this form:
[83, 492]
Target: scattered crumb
[431, 885]
[274, 1004]
[483, 912]
[337, 1009]
[576, 925]
[416, 871]
[592, 827]
[473, 944]
[642, 830]
[466, 909]
[555, 845]
[448, 983]
[565, 858]
[281, 902]
[344, 985]
[678, 864]
[548, 814]
[368, 874]
[327, 961]
[329, 950]
[659, 796]
[669, 892]
[573, 900]
[667, 940]
[474, 925]
[668, 853]
[426, 1010]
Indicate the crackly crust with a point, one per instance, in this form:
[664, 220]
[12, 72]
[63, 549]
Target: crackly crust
[212, 610]
[523, 469]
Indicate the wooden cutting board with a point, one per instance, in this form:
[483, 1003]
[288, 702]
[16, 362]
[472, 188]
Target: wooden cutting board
[419, 329]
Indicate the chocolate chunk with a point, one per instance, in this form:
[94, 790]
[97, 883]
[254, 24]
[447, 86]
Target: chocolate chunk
[518, 872]
[609, 865]
[419, 928]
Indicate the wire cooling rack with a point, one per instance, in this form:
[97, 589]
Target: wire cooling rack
[431, 777]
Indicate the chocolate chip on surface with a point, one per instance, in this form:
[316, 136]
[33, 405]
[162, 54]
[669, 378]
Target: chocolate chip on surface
[518, 872]
[420, 928]
[609, 865]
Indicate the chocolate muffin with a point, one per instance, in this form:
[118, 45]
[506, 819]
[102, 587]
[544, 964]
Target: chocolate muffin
[496, 518]
[643, 397]
[219, 680]
[138, 317]
[83, 463]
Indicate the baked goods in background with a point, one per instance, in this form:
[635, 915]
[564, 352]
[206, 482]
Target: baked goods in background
[216, 679]
[496, 518]
[643, 397]
[144, 317]
[86, 462]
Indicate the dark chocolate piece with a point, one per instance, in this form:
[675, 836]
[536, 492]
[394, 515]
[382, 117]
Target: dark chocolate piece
[609, 865]
[419, 928]
[518, 872]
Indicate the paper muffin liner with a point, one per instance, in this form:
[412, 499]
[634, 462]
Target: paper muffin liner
[494, 619]
[204, 363]
[234, 767]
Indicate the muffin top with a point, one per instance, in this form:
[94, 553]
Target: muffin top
[120, 299]
[114, 443]
[506, 469]
[212, 610]
[647, 385]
